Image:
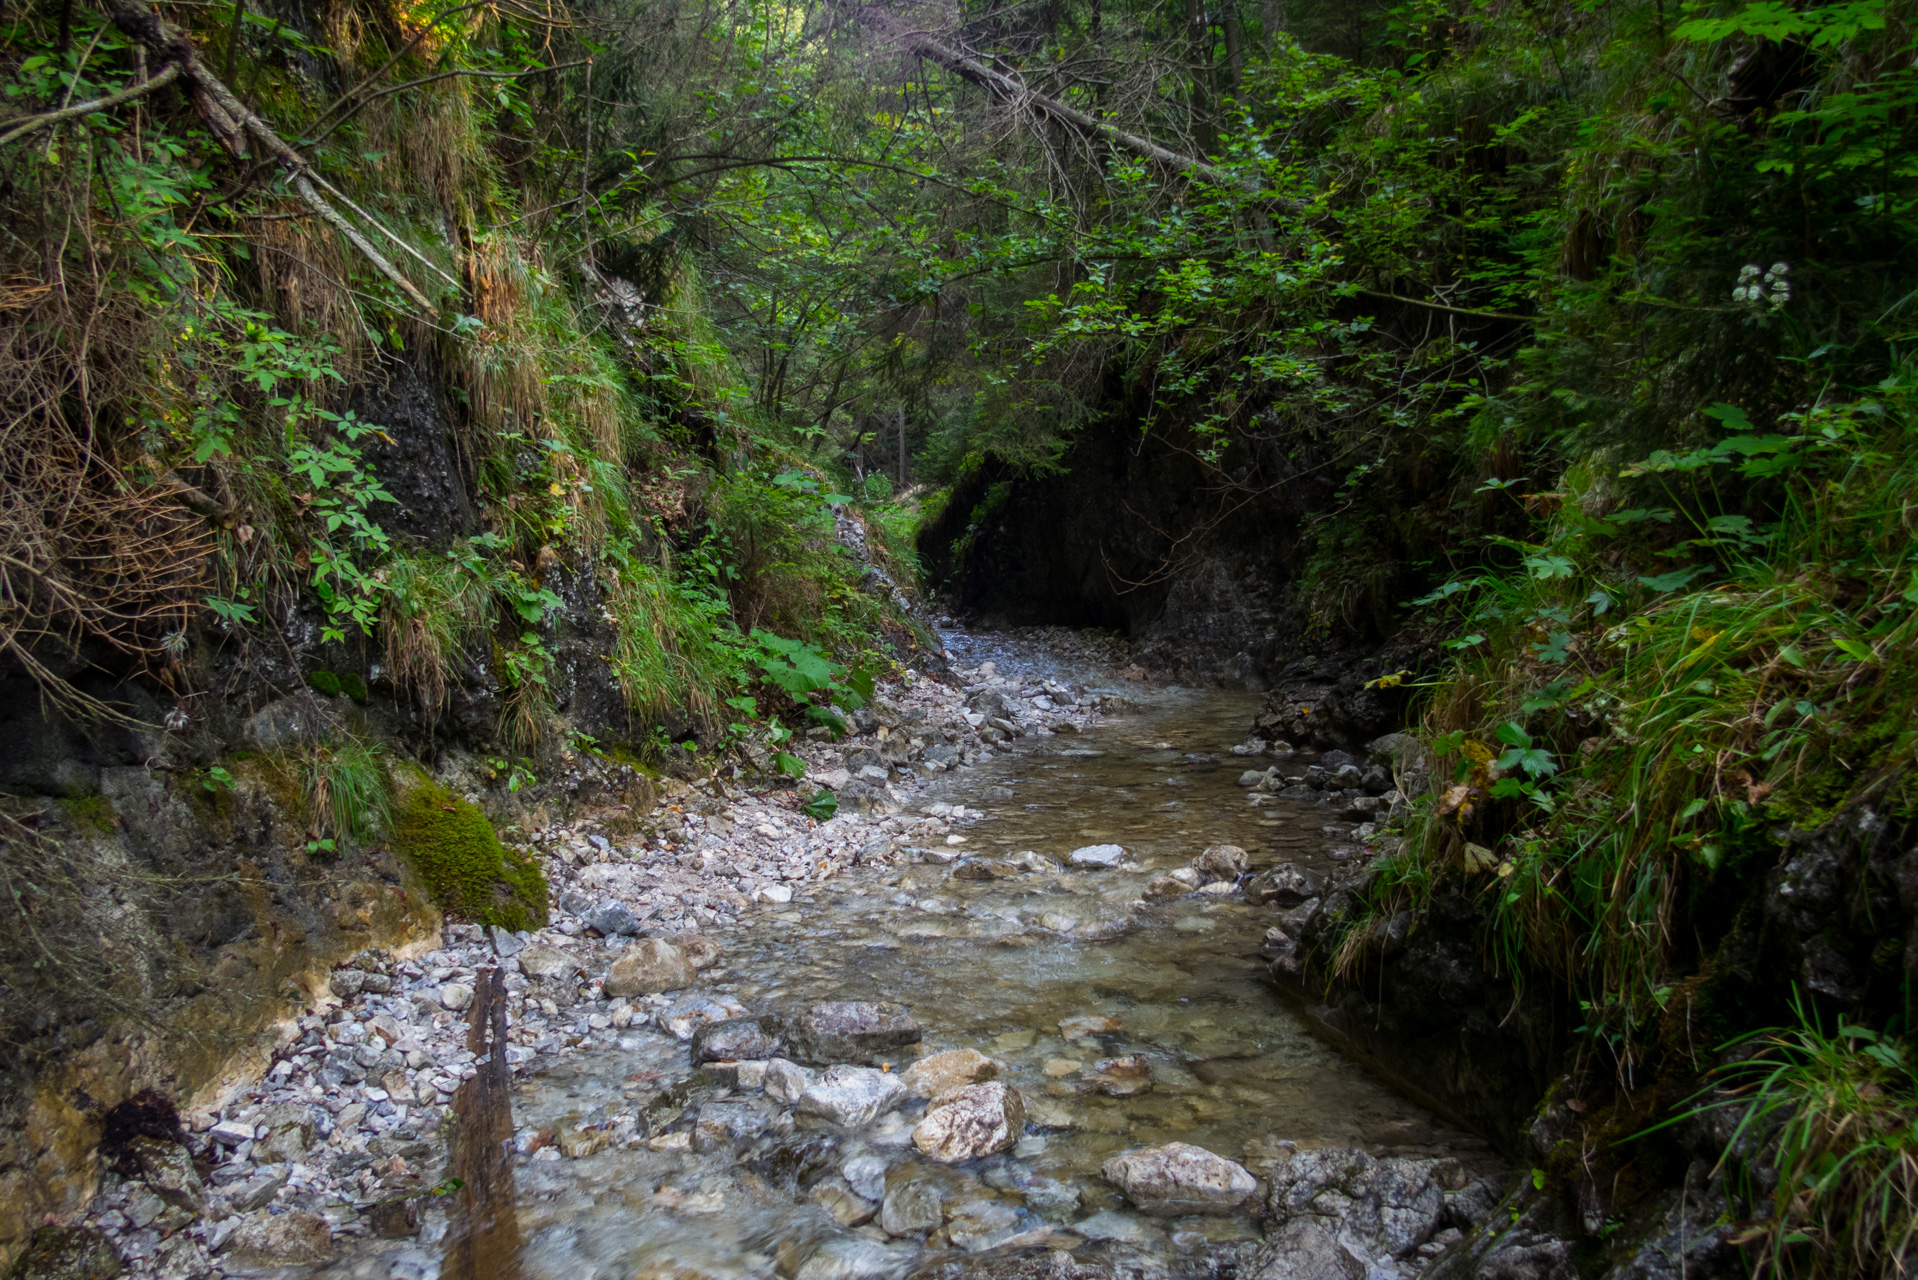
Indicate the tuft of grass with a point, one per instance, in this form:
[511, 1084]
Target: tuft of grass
[437, 608]
[1827, 1141]
[347, 793]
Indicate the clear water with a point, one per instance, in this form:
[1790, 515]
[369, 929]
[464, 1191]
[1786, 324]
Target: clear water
[982, 965]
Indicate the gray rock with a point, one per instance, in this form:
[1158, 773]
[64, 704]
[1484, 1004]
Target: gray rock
[1125, 1228]
[1222, 862]
[975, 1121]
[231, 1133]
[455, 996]
[168, 1170]
[1305, 1250]
[852, 1031]
[911, 1207]
[289, 1132]
[1474, 1203]
[786, 1081]
[852, 1096]
[856, 1258]
[1178, 1178]
[538, 960]
[728, 1126]
[507, 944]
[647, 966]
[1285, 885]
[682, 1020]
[980, 1224]
[1098, 857]
[1378, 1208]
[347, 983]
[737, 1039]
[297, 1237]
[866, 1175]
[613, 919]
[257, 1192]
[838, 1199]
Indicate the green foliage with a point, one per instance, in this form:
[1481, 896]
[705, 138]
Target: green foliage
[822, 806]
[347, 792]
[1659, 725]
[460, 858]
[1826, 1138]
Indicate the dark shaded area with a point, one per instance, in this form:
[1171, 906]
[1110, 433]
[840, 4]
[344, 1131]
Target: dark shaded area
[417, 457]
[147, 1114]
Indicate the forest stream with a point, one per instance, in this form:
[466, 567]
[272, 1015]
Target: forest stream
[1158, 1027]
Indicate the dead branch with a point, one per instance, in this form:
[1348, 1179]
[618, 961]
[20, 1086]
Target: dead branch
[1017, 93]
[231, 121]
[166, 76]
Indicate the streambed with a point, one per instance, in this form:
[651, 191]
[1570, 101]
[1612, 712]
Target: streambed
[995, 964]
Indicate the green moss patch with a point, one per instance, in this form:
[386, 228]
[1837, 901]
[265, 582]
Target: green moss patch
[459, 856]
[324, 683]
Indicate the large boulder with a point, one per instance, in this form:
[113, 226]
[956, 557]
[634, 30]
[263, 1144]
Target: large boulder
[66, 1253]
[975, 1121]
[1381, 1208]
[943, 1072]
[851, 1031]
[647, 966]
[852, 1096]
[1178, 1178]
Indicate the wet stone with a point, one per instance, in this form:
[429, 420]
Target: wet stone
[851, 1031]
[1178, 1178]
[942, 1072]
[1099, 857]
[734, 1039]
[1121, 1077]
[852, 1096]
[727, 1126]
[975, 1121]
[911, 1207]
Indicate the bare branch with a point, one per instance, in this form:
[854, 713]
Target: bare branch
[166, 76]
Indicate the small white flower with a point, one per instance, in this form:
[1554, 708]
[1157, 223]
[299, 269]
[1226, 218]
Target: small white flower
[1739, 294]
[1747, 274]
[1780, 268]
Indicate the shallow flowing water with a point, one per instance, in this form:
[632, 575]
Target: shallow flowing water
[993, 965]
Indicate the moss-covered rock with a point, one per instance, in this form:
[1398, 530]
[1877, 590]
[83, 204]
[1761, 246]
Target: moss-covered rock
[324, 683]
[352, 685]
[458, 855]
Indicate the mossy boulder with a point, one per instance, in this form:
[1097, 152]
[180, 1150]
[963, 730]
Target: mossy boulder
[458, 855]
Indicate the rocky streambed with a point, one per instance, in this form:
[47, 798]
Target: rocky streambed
[1007, 1009]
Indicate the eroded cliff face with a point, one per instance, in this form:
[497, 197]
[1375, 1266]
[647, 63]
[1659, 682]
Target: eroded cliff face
[183, 837]
[224, 929]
